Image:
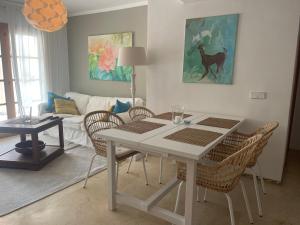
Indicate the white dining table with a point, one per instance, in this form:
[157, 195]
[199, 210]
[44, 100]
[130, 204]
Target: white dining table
[155, 142]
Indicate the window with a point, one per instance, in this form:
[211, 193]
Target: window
[21, 71]
[29, 70]
[7, 100]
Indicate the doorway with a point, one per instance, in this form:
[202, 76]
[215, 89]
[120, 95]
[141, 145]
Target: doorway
[294, 129]
[293, 143]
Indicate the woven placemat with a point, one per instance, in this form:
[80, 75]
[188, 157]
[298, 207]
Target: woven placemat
[194, 136]
[140, 127]
[168, 116]
[219, 122]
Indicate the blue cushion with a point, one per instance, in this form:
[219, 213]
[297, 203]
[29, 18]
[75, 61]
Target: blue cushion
[51, 97]
[121, 107]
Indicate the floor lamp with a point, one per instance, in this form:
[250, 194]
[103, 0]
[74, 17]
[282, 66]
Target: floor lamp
[132, 56]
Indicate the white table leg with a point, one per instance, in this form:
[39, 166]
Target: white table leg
[111, 172]
[190, 194]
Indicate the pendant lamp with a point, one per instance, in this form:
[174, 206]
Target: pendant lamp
[46, 15]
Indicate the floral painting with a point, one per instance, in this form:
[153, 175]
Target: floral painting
[103, 57]
[209, 49]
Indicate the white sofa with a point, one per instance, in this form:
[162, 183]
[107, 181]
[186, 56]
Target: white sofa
[74, 130]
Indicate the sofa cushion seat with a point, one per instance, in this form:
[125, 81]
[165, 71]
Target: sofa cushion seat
[74, 122]
[70, 121]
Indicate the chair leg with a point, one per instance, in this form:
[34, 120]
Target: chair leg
[246, 202]
[261, 178]
[205, 194]
[160, 169]
[230, 209]
[146, 157]
[178, 196]
[88, 173]
[198, 193]
[257, 193]
[145, 172]
[129, 164]
[117, 173]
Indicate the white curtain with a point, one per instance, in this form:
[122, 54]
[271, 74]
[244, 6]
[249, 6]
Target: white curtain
[57, 66]
[39, 59]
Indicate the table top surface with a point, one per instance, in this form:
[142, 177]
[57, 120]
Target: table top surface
[155, 141]
[12, 124]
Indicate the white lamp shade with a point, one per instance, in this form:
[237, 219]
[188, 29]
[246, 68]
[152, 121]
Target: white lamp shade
[132, 56]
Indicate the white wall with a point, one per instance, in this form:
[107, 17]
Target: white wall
[265, 56]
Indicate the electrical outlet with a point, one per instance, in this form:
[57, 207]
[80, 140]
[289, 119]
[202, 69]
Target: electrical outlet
[257, 95]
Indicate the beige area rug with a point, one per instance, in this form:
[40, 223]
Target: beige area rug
[20, 188]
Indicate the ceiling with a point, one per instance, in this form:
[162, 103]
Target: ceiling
[81, 7]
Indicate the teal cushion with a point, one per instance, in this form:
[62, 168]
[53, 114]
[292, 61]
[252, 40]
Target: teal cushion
[121, 107]
[51, 97]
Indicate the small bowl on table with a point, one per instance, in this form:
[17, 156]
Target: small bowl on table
[25, 147]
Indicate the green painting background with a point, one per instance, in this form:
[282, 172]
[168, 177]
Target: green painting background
[119, 73]
[214, 33]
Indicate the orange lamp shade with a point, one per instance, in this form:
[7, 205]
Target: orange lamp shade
[46, 15]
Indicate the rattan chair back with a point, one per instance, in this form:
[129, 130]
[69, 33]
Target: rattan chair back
[140, 113]
[267, 132]
[267, 128]
[235, 139]
[223, 176]
[97, 121]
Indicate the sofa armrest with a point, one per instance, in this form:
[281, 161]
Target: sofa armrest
[42, 108]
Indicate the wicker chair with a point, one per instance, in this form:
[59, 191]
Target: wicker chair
[231, 144]
[140, 113]
[97, 121]
[223, 176]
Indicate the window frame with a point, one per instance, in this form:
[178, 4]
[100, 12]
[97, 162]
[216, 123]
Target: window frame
[7, 72]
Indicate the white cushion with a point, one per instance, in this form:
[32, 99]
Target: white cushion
[70, 121]
[125, 117]
[73, 122]
[138, 101]
[97, 103]
[81, 100]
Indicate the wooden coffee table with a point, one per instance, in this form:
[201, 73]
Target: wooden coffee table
[12, 159]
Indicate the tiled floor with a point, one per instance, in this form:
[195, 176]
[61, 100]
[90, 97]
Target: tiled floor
[78, 206]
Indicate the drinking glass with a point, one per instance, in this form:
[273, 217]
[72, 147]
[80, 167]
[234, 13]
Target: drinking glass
[26, 114]
[177, 114]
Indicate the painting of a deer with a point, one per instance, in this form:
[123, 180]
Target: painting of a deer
[209, 60]
[209, 49]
